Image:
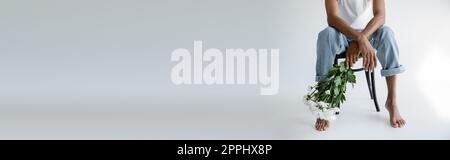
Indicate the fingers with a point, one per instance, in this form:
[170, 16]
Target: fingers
[351, 60]
[366, 62]
[372, 65]
[355, 58]
[375, 61]
[348, 60]
[373, 58]
[369, 61]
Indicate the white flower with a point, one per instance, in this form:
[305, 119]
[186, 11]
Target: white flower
[305, 100]
[336, 109]
[312, 103]
[328, 115]
[313, 109]
[310, 88]
[323, 104]
[318, 106]
[320, 110]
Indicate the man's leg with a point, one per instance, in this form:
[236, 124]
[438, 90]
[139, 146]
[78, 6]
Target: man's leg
[391, 105]
[329, 43]
[388, 55]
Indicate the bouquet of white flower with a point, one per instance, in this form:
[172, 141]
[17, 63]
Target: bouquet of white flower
[325, 97]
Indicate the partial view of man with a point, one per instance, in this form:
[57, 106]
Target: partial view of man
[357, 28]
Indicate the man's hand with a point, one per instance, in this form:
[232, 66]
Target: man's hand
[352, 54]
[362, 44]
[368, 53]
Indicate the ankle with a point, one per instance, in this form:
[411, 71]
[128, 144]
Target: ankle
[391, 99]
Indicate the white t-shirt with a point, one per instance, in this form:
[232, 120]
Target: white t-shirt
[357, 13]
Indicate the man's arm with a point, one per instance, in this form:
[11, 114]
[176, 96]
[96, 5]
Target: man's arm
[369, 56]
[378, 19]
[334, 20]
[361, 39]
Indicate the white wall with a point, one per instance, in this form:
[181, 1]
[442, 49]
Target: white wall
[116, 53]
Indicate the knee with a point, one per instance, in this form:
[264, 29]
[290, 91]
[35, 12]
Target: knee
[385, 33]
[326, 34]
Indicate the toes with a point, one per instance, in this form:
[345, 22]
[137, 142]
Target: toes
[317, 125]
[394, 124]
[402, 122]
[321, 126]
[327, 125]
[399, 124]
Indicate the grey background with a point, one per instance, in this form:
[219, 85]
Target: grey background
[100, 69]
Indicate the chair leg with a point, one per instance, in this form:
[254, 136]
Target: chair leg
[374, 93]
[369, 84]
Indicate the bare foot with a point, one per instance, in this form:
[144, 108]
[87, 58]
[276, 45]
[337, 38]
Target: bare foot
[322, 125]
[394, 114]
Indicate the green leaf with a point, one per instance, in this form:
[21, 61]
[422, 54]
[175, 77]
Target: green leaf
[336, 91]
[350, 71]
[332, 72]
[352, 78]
[342, 68]
[337, 81]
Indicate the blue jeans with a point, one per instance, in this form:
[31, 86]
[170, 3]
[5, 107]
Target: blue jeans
[331, 42]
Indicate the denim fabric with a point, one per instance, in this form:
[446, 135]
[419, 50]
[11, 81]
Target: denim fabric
[331, 42]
